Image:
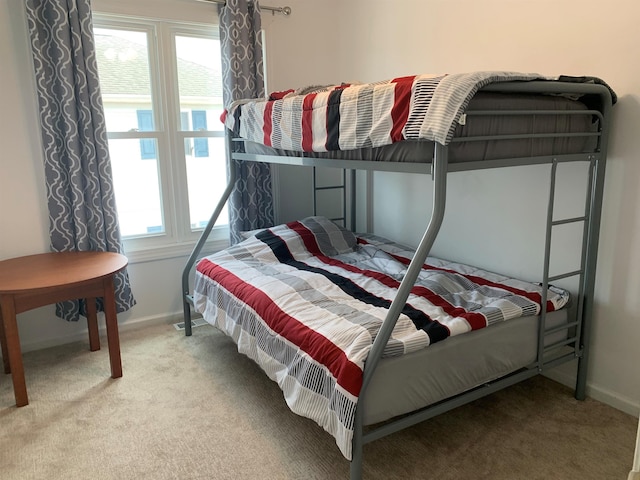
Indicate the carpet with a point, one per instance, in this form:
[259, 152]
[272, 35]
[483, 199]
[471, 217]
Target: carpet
[193, 408]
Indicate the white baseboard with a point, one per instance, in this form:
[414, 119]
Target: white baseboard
[634, 476]
[615, 400]
[82, 335]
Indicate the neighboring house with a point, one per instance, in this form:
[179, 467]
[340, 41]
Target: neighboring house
[127, 91]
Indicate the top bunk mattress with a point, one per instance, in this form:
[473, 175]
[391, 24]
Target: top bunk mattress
[466, 145]
[402, 118]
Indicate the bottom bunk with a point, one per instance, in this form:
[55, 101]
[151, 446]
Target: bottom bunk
[306, 301]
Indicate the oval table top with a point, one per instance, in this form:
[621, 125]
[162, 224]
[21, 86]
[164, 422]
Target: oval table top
[57, 269]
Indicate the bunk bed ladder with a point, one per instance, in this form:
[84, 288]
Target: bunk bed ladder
[550, 354]
[339, 186]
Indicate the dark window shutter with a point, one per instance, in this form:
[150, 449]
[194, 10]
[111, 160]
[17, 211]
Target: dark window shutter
[200, 145]
[145, 124]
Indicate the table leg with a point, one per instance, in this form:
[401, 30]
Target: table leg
[3, 345]
[111, 319]
[92, 324]
[13, 349]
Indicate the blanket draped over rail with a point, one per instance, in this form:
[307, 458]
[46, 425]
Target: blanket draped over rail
[353, 116]
[305, 300]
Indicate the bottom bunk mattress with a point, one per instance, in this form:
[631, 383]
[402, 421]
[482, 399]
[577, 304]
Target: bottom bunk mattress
[305, 301]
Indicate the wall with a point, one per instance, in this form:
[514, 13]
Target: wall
[574, 37]
[23, 212]
[310, 59]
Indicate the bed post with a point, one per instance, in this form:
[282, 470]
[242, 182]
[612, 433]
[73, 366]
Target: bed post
[439, 176]
[187, 299]
[439, 170]
[596, 196]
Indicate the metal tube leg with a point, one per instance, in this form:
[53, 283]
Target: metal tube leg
[356, 468]
[187, 318]
[581, 378]
[357, 445]
[205, 234]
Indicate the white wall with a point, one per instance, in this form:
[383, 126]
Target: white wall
[301, 53]
[23, 213]
[573, 37]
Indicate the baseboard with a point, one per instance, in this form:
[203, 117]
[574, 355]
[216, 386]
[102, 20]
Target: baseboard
[634, 476]
[129, 325]
[617, 401]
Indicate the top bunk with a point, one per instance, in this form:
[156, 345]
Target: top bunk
[481, 119]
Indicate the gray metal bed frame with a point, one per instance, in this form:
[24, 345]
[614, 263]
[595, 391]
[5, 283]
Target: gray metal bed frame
[574, 347]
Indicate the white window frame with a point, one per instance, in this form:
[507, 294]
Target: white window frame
[178, 238]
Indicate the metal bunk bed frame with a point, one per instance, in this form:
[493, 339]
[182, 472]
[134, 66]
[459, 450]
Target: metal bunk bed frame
[574, 347]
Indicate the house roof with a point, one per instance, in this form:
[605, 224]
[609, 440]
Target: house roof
[124, 70]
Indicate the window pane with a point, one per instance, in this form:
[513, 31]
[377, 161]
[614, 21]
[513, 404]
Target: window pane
[137, 186]
[147, 130]
[207, 179]
[123, 63]
[199, 83]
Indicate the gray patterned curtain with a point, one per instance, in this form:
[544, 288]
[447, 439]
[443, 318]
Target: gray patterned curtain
[81, 200]
[251, 202]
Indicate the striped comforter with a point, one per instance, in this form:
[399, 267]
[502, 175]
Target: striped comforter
[306, 299]
[347, 117]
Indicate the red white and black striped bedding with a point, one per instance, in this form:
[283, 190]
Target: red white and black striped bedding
[305, 300]
[357, 116]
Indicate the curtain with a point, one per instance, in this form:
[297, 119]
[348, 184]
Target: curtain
[80, 195]
[251, 202]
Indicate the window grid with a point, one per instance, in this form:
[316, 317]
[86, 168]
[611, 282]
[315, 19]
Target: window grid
[173, 130]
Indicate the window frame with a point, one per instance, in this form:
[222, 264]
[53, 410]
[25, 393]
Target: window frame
[178, 238]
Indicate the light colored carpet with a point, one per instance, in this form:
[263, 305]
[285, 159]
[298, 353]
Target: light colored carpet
[193, 408]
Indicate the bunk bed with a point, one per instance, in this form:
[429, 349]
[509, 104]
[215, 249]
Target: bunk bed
[359, 371]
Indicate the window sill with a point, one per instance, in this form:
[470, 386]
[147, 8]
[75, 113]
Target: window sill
[167, 252]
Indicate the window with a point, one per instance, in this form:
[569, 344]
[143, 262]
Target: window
[161, 87]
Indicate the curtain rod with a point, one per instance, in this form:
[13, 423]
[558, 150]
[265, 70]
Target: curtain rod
[283, 10]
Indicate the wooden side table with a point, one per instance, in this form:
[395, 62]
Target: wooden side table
[37, 280]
